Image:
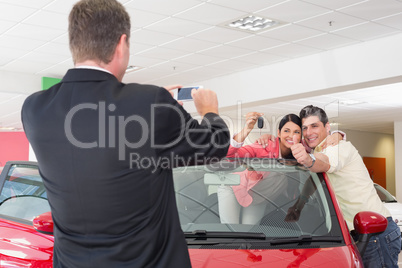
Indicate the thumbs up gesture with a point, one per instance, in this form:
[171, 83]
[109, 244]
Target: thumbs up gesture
[299, 152]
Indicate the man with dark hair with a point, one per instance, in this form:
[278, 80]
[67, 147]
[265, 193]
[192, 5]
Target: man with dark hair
[352, 184]
[106, 149]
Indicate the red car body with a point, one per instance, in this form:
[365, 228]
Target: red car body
[22, 245]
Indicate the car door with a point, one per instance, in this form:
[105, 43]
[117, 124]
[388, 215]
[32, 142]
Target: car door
[22, 197]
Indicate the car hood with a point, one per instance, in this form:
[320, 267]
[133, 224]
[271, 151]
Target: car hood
[396, 211]
[302, 257]
[21, 245]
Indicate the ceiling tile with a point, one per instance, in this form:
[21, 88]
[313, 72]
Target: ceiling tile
[164, 7]
[177, 26]
[62, 39]
[327, 41]
[12, 53]
[292, 11]
[136, 48]
[374, 9]
[141, 61]
[331, 21]
[140, 19]
[150, 73]
[232, 65]
[256, 42]
[249, 5]
[42, 18]
[190, 44]
[35, 32]
[4, 61]
[182, 79]
[15, 13]
[198, 58]
[44, 57]
[37, 4]
[331, 4]
[226, 51]
[162, 53]
[7, 41]
[211, 14]
[151, 37]
[219, 35]
[175, 66]
[261, 58]
[391, 21]
[366, 31]
[57, 70]
[61, 6]
[197, 74]
[6, 25]
[292, 50]
[53, 48]
[24, 66]
[291, 32]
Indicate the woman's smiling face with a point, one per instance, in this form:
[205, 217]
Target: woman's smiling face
[287, 132]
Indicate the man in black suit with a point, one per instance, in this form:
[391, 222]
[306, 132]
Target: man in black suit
[105, 150]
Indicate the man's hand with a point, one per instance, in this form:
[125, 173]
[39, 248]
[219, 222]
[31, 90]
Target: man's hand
[263, 140]
[293, 214]
[205, 100]
[171, 88]
[299, 152]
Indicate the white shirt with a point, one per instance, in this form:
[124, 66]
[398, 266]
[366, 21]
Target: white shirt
[351, 181]
[92, 67]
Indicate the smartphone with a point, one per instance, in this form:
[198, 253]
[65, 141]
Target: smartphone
[184, 93]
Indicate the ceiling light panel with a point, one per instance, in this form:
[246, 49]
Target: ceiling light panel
[252, 23]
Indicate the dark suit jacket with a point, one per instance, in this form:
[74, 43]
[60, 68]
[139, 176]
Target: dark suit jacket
[105, 151]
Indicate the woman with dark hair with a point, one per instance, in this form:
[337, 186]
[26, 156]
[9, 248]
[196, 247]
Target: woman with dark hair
[289, 131]
[242, 203]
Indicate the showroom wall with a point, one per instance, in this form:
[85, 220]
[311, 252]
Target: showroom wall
[13, 146]
[371, 144]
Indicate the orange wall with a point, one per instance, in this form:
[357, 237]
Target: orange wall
[13, 146]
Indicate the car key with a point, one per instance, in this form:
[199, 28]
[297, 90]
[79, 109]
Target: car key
[260, 123]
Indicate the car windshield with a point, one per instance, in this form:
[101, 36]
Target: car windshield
[384, 195]
[249, 199]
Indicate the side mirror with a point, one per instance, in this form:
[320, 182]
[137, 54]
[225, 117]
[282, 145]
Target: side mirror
[367, 224]
[44, 223]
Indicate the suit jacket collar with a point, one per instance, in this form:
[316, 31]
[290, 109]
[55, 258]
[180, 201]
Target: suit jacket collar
[85, 75]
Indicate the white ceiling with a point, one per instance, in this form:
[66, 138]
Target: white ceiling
[184, 41]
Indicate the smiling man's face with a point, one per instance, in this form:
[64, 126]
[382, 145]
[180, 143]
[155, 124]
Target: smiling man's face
[314, 131]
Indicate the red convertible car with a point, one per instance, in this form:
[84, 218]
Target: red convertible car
[219, 228]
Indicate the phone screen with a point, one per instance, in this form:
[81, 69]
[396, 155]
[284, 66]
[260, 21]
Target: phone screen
[184, 93]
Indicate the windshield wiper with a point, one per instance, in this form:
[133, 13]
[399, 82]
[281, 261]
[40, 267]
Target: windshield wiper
[305, 239]
[203, 234]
